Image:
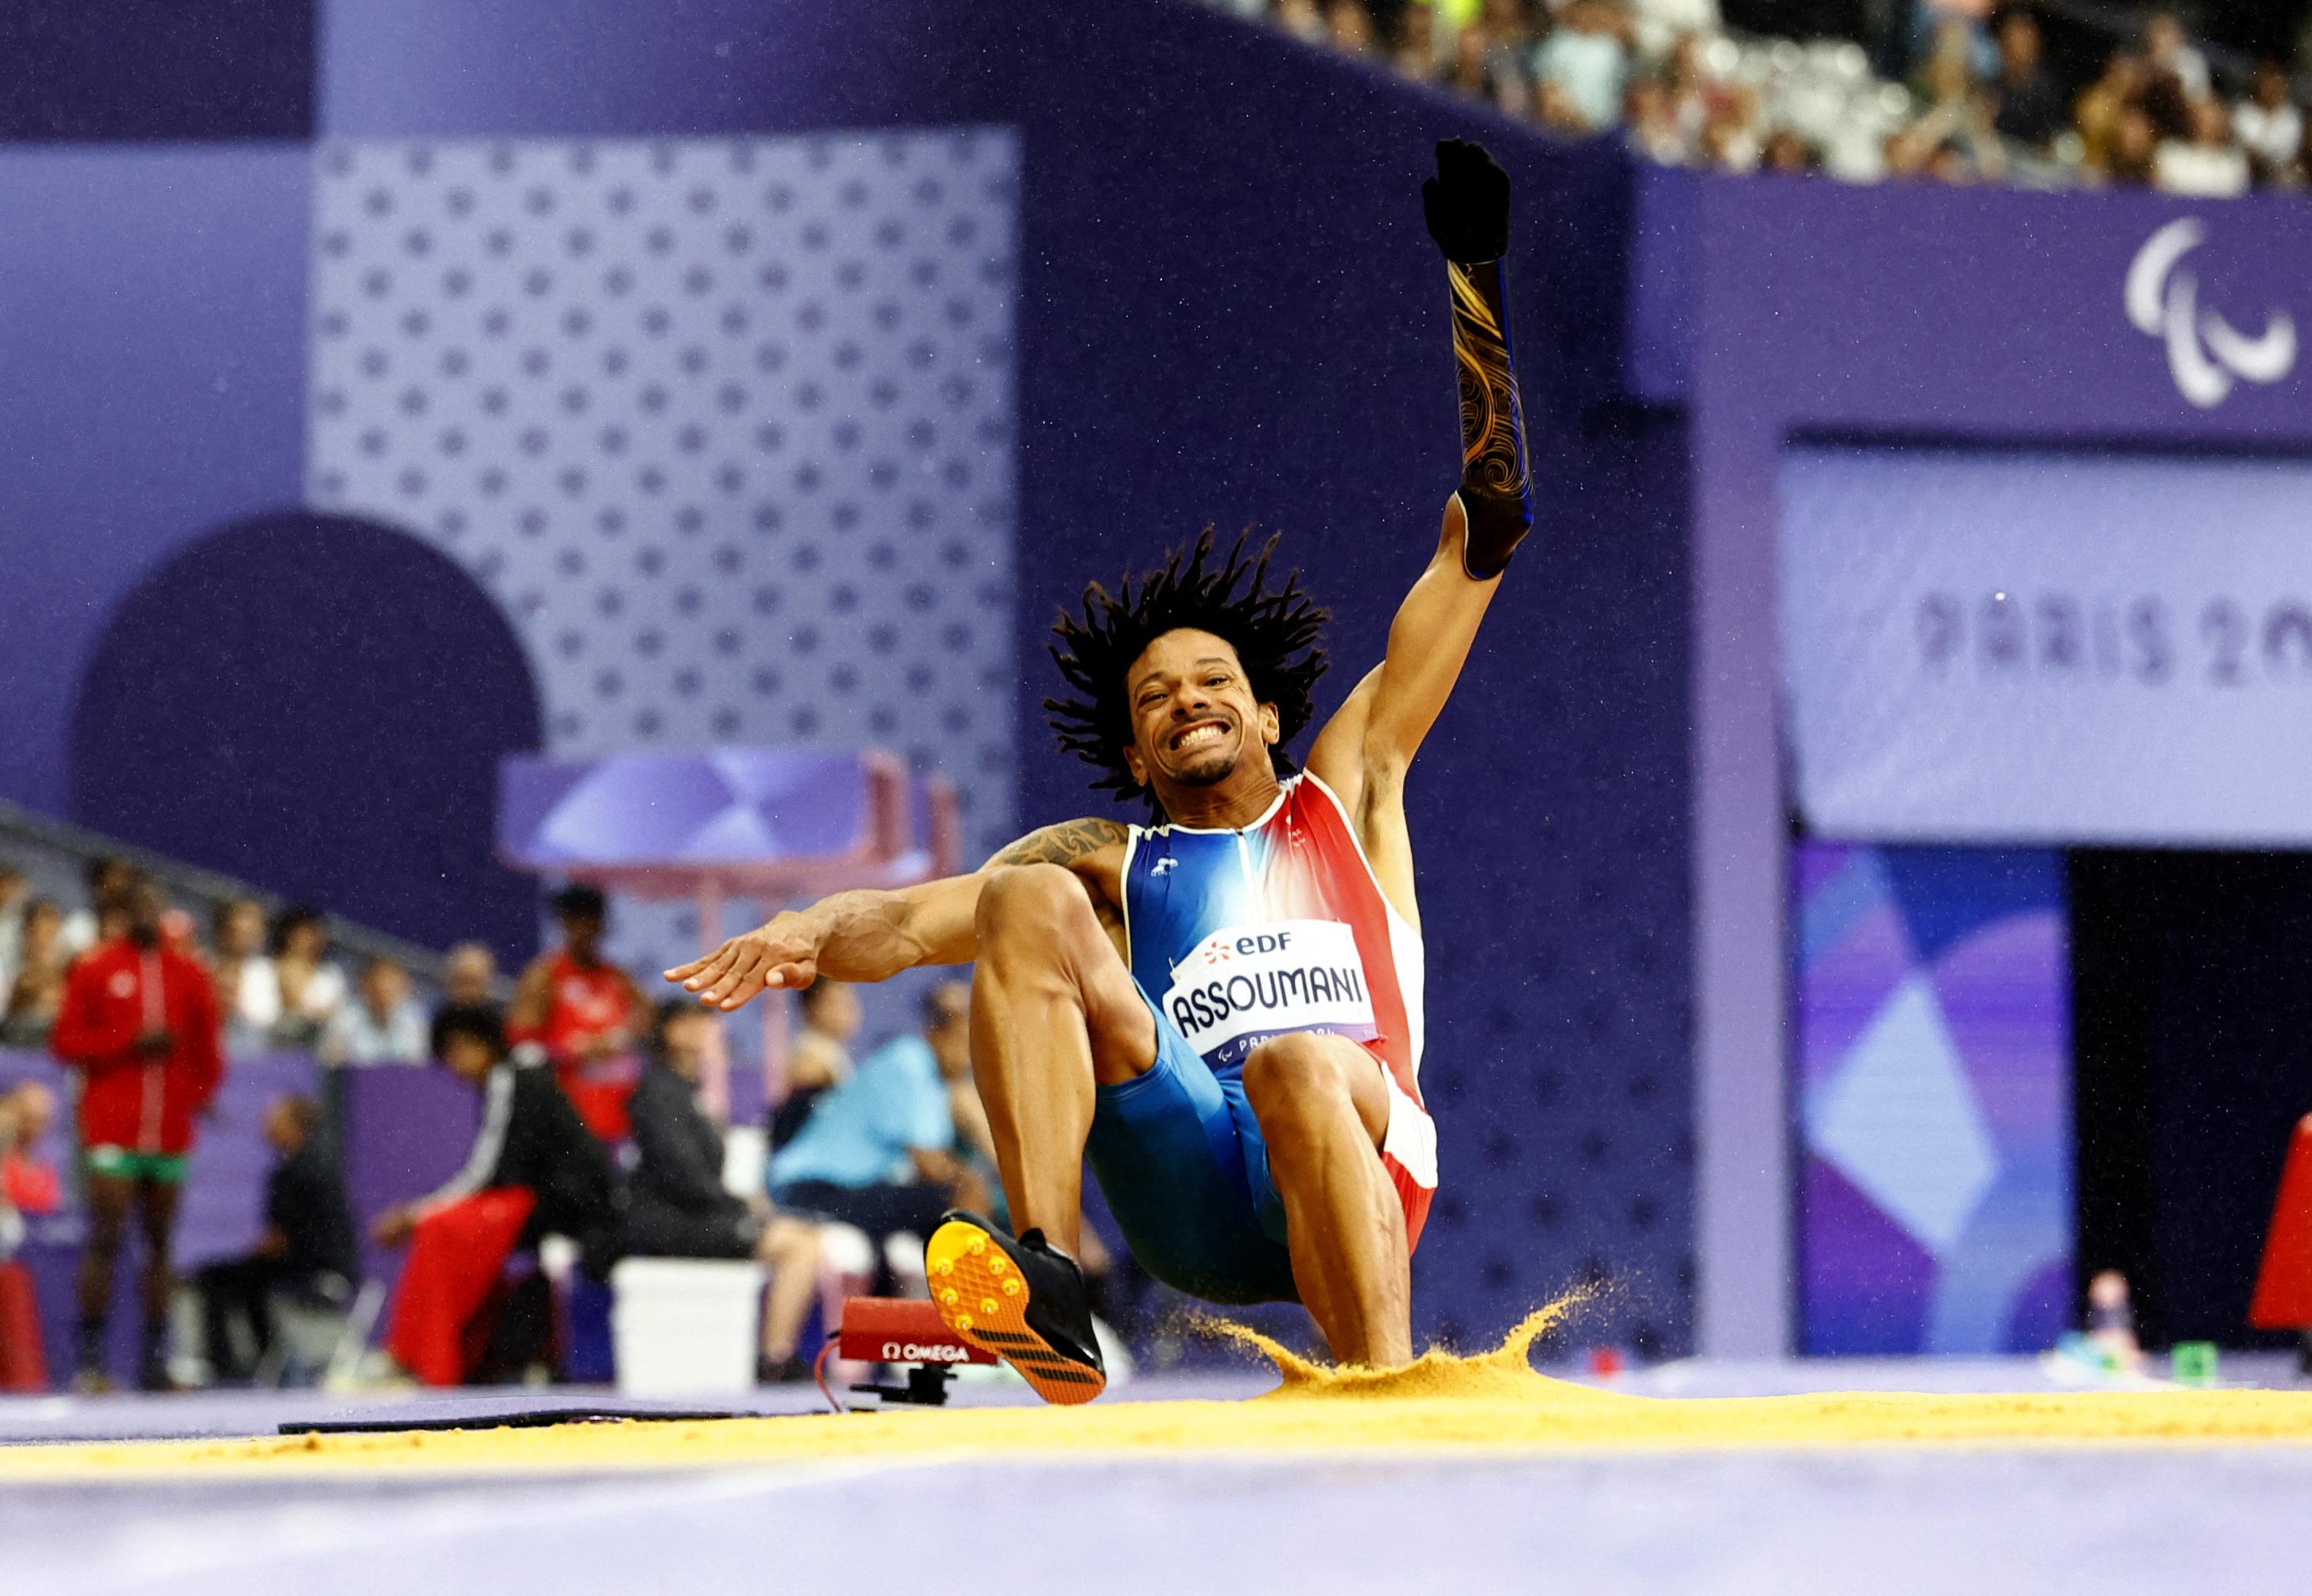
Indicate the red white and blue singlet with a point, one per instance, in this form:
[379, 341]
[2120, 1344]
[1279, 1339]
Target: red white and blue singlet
[1238, 936]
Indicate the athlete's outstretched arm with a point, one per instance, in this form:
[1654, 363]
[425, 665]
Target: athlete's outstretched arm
[1377, 732]
[870, 936]
[863, 935]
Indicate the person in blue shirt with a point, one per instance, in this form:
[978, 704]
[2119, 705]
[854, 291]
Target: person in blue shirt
[880, 1149]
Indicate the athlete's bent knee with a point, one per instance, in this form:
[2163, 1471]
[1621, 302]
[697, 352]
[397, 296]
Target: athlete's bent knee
[1302, 1085]
[1039, 900]
[1293, 1075]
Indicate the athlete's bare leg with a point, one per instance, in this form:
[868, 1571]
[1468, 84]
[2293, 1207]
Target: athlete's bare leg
[1054, 1014]
[1323, 1110]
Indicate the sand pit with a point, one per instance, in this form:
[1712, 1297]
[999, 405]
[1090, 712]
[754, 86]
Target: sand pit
[1491, 1404]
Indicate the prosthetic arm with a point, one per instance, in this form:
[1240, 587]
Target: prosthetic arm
[1468, 208]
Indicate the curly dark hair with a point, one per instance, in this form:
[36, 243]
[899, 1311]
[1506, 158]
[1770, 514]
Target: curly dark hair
[1276, 635]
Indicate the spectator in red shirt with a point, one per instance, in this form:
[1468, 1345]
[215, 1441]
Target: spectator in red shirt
[585, 1013]
[23, 1362]
[140, 1023]
[27, 1183]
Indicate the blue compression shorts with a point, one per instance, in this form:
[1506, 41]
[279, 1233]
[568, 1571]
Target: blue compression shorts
[1180, 1160]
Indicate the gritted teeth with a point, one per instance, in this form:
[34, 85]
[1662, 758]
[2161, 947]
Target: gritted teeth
[1202, 732]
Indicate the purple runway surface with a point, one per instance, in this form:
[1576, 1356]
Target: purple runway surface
[1885, 1521]
[1878, 1520]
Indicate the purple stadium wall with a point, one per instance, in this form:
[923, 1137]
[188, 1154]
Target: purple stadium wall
[1218, 306]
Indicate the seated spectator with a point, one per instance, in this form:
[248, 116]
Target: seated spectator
[1414, 53]
[535, 1170]
[307, 1248]
[2269, 125]
[2031, 109]
[382, 1025]
[1301, 19]
[1729, 139]
[12, 1221]
[818, 1063]
[39, 987]
[246, 982]
[1504, 35]
[880, 1149]
[28, 1182]
[1468, 75]
[675, 1202]
[2134, 147]
[108, 879]
[2101, 105]
[1956, 138]
[1786, 152]
[11, 921]
[2168, 51]
[584, 1013]
[1656, 22]
[1350, 26]
[2207, 163]
[23, 1360]
[1650, 115]
[469, 976]
[312, 987]
[1936, 25]
[1586, 59]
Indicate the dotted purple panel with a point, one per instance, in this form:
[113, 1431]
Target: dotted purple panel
[726, 426]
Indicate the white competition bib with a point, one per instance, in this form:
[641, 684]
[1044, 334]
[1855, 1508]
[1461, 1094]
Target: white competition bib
[1243, 984]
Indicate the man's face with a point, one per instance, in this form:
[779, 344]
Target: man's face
[144, 905]
[36, 1110]
[1193, 716]
[113, 877]
[384, 987]
[242, 932]
[835, 1013]
[685, 1038]
[467, 978]
[581, 933]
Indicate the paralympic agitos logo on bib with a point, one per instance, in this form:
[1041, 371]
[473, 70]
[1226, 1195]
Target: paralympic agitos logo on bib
[1244, 983]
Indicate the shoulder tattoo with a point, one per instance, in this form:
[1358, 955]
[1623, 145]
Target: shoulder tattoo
[1064, 844]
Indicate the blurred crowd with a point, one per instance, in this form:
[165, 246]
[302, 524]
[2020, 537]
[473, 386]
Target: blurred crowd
[1963, 91]
[592, 1128]
[277, 982]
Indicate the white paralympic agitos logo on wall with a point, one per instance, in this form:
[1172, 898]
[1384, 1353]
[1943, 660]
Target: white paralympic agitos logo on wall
[2206, 354]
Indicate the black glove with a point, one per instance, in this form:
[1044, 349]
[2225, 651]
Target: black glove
[1467, 207]
[1468, 202]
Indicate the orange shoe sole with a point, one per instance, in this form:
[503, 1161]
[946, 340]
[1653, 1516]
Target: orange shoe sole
[981, 1297]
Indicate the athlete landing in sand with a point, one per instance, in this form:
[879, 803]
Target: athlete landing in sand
[1222, 1009]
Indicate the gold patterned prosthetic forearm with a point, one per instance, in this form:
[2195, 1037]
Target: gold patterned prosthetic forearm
[1494, 490]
